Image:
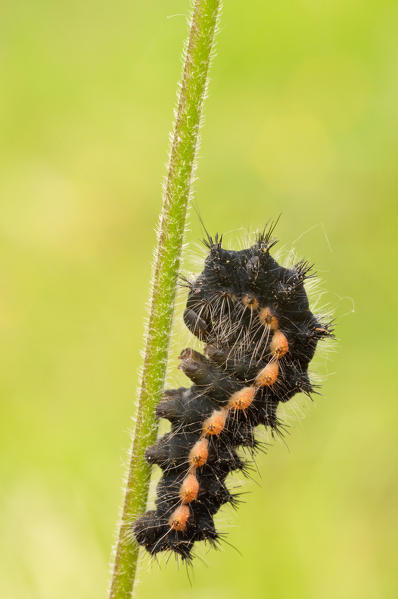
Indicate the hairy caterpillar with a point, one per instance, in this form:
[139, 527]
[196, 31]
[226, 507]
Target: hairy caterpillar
[253, 316]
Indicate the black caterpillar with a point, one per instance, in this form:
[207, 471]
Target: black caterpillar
[260, 336]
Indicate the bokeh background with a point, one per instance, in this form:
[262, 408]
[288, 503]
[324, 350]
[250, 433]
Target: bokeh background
[301, 120]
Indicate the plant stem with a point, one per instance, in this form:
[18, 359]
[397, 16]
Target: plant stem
[165, 272]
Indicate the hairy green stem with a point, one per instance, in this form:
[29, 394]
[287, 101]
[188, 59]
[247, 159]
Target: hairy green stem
[165, 272]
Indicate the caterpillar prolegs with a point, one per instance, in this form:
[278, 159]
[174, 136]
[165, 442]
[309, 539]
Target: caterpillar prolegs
[253, 316]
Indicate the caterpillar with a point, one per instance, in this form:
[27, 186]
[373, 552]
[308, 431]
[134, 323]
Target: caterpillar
[259, 336]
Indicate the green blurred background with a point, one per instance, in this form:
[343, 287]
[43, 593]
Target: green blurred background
[301, 119]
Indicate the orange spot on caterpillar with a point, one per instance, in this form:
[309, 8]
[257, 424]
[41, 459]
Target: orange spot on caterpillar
[178, 519]
[268, 375]
[279, 345]
[268, 319]
[199, 453]
[214, 424]
[242, 399]
[189, 489]
[250, 302]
